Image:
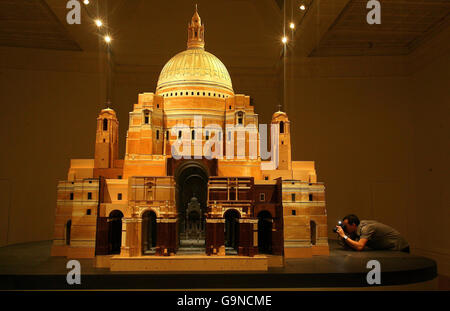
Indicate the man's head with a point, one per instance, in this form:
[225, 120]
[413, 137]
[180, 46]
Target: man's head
[350, 222]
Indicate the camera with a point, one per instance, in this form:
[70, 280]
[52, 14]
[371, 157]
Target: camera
[340, 224]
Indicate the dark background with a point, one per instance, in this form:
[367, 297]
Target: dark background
[369, 104]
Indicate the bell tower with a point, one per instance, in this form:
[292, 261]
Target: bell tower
[284, 142]
[106, 139]
[196, 32]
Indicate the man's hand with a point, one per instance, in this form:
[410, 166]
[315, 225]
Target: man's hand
[340, 231]
[356, 245]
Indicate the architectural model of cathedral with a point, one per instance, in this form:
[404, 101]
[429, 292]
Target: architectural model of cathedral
[152, 206]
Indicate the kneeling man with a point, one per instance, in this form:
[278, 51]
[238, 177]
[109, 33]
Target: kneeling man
[372, 234]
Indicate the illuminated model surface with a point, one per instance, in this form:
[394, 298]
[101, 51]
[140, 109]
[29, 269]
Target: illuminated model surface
[151, 211]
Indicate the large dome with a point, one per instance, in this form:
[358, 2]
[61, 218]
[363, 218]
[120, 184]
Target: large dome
[194, 67]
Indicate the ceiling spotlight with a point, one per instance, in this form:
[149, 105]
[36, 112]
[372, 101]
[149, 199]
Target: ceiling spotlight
[302, 7]
[99, 23]
[284, 40]
[292, 25]
[86, 2]
[107, 39]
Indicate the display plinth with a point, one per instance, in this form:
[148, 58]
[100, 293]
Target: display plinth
[189, 263]
[30, 266]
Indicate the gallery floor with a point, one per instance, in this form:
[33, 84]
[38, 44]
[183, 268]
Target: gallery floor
[29, 266]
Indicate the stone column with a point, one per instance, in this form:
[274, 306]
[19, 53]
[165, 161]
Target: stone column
[134, 235]
[101, 236]
[124, 248]
[247, 246]
[277, 237]
[167, 236]
[215, 237]
[255, 237]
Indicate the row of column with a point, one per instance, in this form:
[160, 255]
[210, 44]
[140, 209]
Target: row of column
[247, 237]
[167, 237]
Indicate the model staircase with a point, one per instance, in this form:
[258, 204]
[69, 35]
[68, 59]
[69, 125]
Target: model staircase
[230, 251]
[191, 244]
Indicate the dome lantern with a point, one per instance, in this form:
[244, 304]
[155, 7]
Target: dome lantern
[196, 32]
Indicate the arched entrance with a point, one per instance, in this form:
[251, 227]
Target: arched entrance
[231, 231]
[265, 222]
[149, 232]
[115, 231]
[192, 186]
[68, 229]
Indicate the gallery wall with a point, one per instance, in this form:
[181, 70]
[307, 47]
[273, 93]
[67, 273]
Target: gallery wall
[430, 212]
[359, 133]
[49, 102]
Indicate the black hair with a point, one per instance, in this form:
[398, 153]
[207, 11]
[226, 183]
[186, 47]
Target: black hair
[352, 219]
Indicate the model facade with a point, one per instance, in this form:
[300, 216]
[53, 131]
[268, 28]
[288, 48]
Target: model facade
[152, 203]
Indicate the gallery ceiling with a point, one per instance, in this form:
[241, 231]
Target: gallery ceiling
[146, 33]
[32, 24]
[240, 32]
[405, 25]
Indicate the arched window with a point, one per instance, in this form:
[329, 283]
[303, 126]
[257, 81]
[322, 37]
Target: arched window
[312, 225]
[157, 134]
[265, 223]
[115, 231]
[231, 231]
[193, 134]
[240, 118]
[149, 232]
[68, 229]
[281, 127]
[105, 124]
[146, 117]
[232, 193]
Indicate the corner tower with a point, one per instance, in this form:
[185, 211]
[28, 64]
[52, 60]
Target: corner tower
[284, 143]
[106, 139]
